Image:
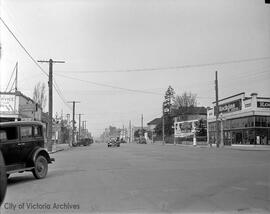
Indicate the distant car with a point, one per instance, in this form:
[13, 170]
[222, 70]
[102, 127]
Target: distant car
[3, 179]
[22, 146]
[85, 142]
[123, 141]
[114, 142]
[141, 140]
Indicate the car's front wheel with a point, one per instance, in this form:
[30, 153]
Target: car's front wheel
[41, 167]
[3, 179]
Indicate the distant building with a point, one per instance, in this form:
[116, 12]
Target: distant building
[243, 120]
[153, 123]
[15, 106]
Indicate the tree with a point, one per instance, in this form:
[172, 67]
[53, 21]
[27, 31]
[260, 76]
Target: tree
[39, 94]
[185, 100]
[169, 100]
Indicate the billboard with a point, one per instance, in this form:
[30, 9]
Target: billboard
[8, 104]
[184, 128]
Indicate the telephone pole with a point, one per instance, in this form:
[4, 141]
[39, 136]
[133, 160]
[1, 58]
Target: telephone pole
[80, 126]
[217, 111]
[73, 121]
[130, 131]
[50, 99]
[142, 124]
[163, 126]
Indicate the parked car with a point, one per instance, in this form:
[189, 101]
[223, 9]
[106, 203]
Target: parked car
[114, 142]
[84, 142]
[3, 179]
[141, 140]
[22, 146]
[123, 141]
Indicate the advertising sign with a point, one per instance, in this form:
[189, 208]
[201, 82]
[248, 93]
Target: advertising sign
[184, 129]
[263, 104]
[7, 104]
[230, 107]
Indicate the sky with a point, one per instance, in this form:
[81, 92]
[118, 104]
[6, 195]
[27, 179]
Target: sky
[121, 55]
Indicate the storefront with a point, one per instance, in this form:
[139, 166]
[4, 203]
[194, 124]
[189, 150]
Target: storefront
[242, 120]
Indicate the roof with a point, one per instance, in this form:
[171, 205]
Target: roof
[16, 123]
[156, 121]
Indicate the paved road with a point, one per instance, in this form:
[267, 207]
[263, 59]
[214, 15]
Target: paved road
[146, 178]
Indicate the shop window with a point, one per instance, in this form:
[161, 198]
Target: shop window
[263, 122]
[257, 122]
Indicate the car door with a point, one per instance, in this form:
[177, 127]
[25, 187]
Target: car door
[10, 144]
[27, 141]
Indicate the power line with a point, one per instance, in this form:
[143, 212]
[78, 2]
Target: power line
[109, 86]
[32, 58]
[169, 67]
[35, 62]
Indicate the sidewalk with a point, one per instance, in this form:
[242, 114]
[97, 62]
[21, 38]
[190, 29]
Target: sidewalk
[235, 147]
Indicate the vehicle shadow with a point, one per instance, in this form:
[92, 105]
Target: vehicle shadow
[20, 179]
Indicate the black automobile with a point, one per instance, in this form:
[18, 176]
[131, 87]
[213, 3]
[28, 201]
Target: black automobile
[141, 140]
[114, 142]
[22, 146]
[84, 142]
[3, 179]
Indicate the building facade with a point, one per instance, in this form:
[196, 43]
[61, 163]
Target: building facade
[242, 120]
[15, 106]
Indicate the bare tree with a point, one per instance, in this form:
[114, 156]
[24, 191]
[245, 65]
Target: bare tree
[187, 99]
[39, 94]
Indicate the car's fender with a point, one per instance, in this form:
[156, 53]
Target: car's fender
[3, 179]
[39, 151]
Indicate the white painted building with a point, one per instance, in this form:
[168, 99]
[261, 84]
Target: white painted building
[15, 106]
[243, 120]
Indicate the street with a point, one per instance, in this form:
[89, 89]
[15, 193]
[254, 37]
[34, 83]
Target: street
[146, 178]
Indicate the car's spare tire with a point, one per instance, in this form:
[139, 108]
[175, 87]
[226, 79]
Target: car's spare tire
[3, 179]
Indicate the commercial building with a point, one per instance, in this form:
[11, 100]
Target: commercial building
[242, 120]
[15, 106]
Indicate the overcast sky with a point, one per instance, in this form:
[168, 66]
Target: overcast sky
[139, 46]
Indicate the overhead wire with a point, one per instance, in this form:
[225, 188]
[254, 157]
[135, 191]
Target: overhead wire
[33, 60]
[109, 86]
[170, 67]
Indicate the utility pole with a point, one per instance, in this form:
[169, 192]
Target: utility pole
[80, 126]
[142, 124]
[217, 111]
[163, 126]
[129, 131]
[50, 100]
[16, 78]
[73, 121]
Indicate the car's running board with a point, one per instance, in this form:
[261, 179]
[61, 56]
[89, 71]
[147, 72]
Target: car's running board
[20, 170]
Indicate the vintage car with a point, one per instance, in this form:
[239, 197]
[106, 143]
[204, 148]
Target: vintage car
[22, 146]
[3, 179]
[114, 142]
[85, 142]
[141, 140]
